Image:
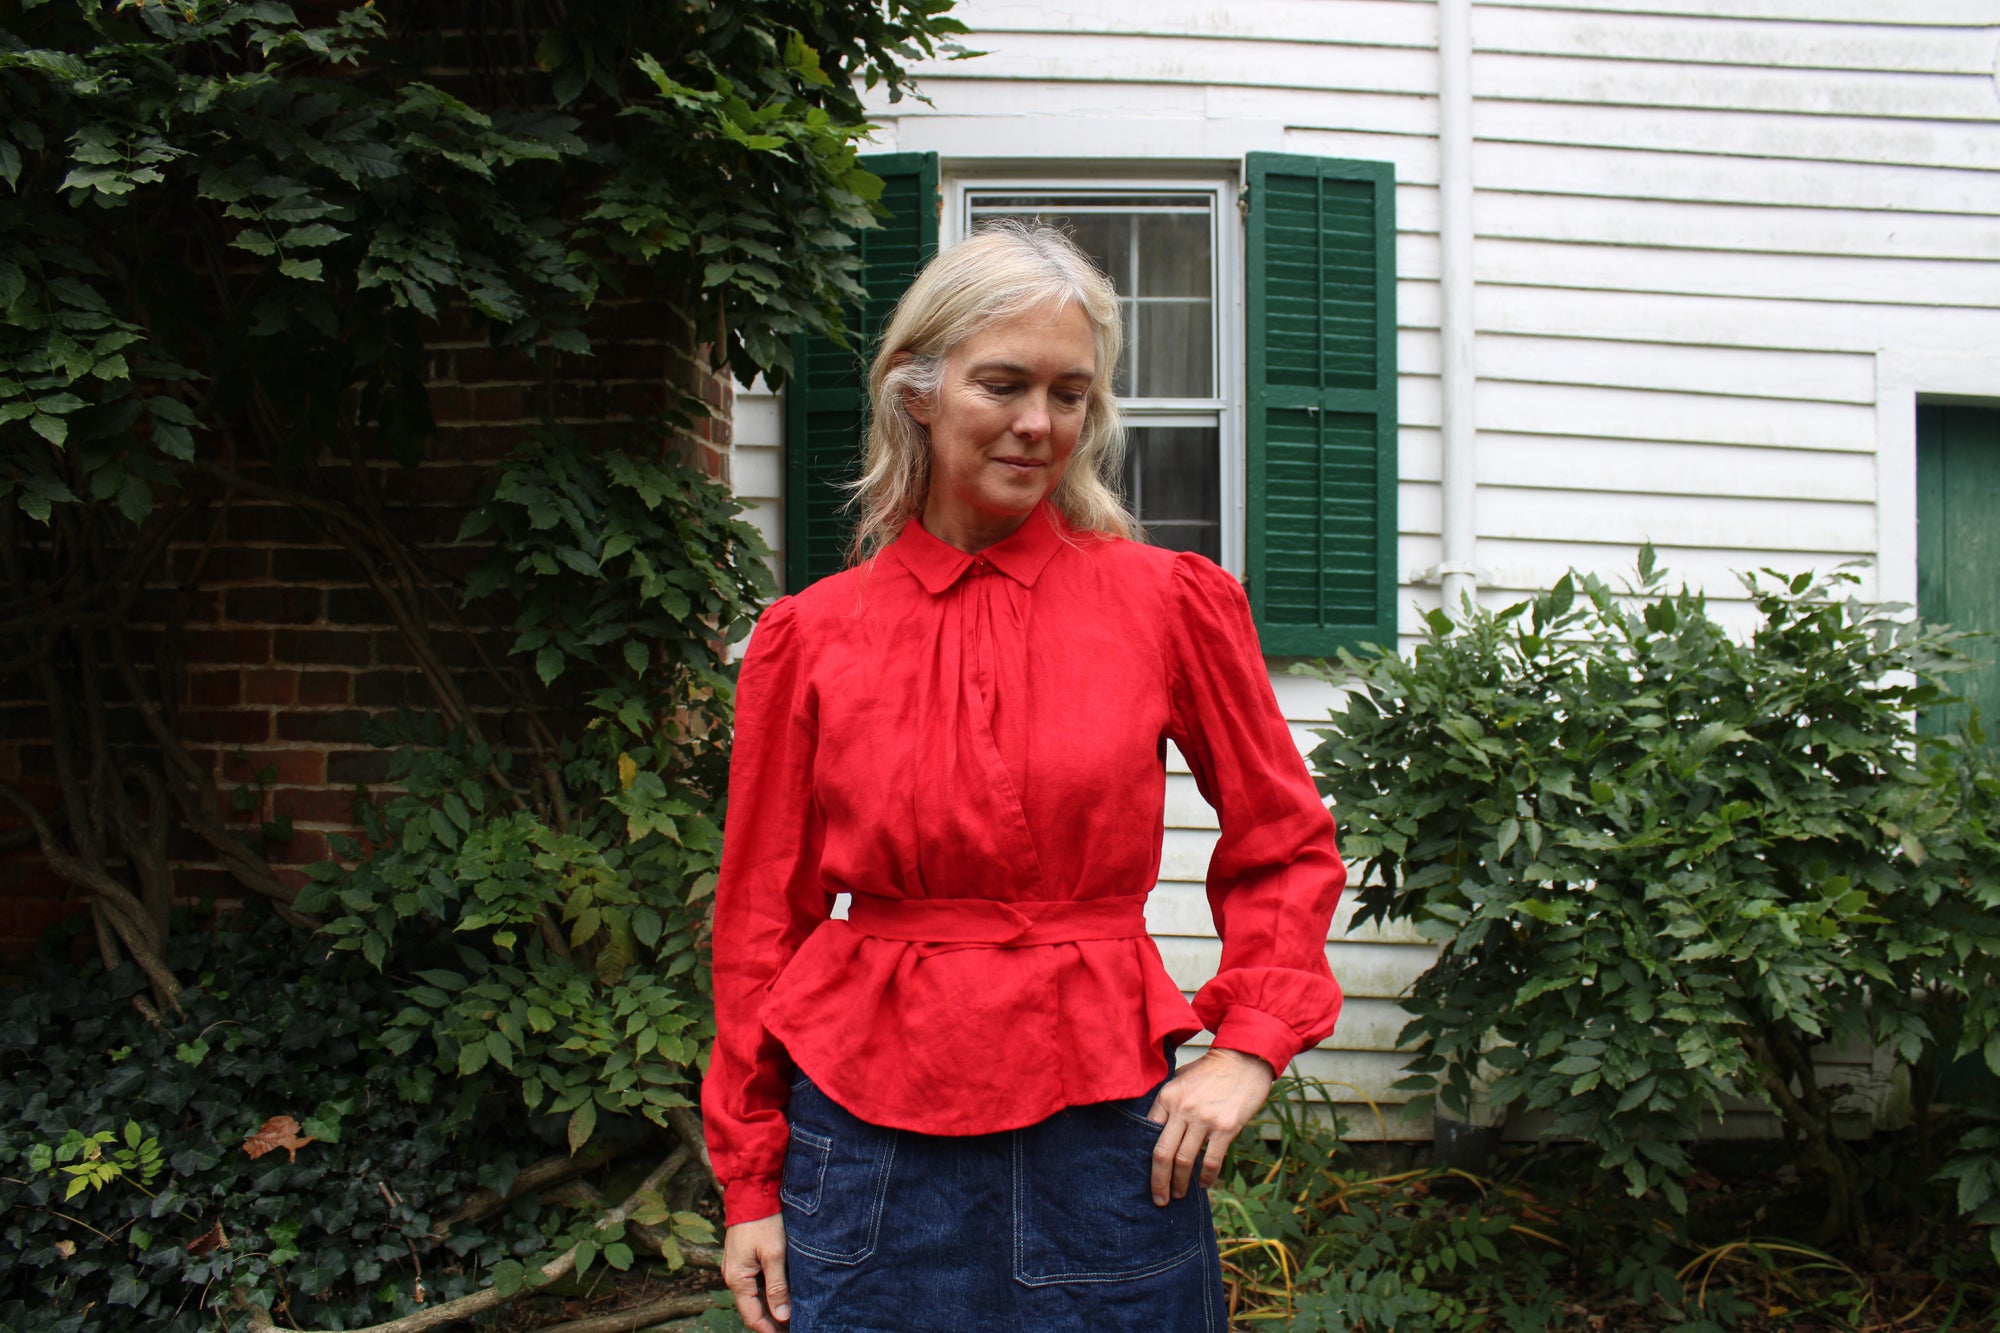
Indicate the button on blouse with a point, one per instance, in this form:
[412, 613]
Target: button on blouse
[933, 727]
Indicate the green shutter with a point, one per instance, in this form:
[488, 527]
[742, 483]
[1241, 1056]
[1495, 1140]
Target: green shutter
[826, 401]
[1321, 415]
[1958, 550]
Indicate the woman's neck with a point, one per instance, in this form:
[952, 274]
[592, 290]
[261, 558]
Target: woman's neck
[969, 532]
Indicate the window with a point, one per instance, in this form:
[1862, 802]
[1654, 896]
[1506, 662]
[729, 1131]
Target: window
[1267, 444]
[1159, 247]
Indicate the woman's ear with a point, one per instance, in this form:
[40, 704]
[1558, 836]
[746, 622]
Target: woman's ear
[920, 408]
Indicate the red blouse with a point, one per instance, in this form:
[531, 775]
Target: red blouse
[937, 726]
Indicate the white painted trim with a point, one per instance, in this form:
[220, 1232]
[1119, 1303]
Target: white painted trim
[1459, 525]
[1901, 380]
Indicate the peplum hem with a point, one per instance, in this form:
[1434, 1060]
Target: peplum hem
[979, 1049]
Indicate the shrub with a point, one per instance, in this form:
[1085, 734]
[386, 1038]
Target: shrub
[547, 911]
[1664, 866]
[128, 1193]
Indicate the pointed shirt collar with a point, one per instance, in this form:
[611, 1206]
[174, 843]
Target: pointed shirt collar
[1021, 555]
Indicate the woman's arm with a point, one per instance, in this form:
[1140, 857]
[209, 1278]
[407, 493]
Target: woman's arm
[768, 898]
[1273, 880]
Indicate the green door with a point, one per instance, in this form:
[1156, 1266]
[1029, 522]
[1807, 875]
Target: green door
[1958, 546]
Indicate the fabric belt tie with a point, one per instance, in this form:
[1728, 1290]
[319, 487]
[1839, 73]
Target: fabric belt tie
[988, 921]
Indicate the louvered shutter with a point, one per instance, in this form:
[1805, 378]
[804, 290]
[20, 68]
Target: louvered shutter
[1321, 410]
[827, 399]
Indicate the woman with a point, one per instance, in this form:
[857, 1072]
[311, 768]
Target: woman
[951, 1110]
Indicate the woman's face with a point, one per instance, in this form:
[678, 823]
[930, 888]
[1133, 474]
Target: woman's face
[1005, 421]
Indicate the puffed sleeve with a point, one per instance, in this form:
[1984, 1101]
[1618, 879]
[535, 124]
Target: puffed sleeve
[768, 898]
[1275, 875]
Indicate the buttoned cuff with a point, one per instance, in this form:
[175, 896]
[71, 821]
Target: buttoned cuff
[1254, 1032]
[748, 1200]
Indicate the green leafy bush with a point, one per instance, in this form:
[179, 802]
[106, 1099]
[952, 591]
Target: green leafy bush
[549, 912]
[1664, 866]
[176, 1225]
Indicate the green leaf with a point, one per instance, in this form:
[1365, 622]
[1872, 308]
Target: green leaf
[53, 429]
[582, 1123]
[305, 270]
[549, 664]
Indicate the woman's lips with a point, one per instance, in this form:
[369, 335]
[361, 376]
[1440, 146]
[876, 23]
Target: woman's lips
[1021, 464]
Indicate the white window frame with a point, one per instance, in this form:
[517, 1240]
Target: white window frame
[1227, 282]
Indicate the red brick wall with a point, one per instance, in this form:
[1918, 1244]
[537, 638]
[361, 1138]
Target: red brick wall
[288, 650]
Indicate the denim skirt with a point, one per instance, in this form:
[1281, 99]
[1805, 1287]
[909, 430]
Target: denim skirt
[1048, 1229]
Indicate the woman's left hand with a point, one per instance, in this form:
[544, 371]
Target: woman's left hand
[1208, 1102]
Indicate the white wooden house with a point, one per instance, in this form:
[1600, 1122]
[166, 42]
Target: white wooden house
[1435, 297]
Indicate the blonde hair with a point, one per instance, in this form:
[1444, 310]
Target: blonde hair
[1005, 269]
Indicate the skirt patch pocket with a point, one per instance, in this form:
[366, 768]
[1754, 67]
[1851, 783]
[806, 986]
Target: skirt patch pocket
[1083, 1204]
[836, 1180]
[805, 1170]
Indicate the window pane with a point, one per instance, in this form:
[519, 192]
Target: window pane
[1171, 353]
[1105, 237]
[1175, 246]
[1171, 483]
[1157, 249]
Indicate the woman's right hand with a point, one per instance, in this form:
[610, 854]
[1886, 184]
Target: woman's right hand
[753, 1268]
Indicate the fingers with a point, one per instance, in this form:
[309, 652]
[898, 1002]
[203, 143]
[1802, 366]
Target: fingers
[1185, 1157]
[1211, 1162]
[742, 1285]
[753, 1268]
[1175, 1155]
[1163, 1161]
[1201, 1110]
[777, 1292]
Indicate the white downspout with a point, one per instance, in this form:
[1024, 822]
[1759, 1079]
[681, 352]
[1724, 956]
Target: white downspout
[1458, 482]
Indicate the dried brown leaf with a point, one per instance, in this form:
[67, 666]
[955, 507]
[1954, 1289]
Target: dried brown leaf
[211, 1239]
[280, 1131]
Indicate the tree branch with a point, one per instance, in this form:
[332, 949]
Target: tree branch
[639, 1316]
[538, 1176]
[481, 1301]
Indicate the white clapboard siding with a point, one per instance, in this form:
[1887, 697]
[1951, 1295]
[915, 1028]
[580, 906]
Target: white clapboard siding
[1646, 467]
[757, 463]
[1848, 139]
[1824, 377]
[1350, 23]
[1906, 13]
[1726, 321]
[1644, 414]
[1694, 175]
[1056, 57]
[1889, 94]
[1806, 279]
[1749, 228]
[1700, 229]
[1707, 40]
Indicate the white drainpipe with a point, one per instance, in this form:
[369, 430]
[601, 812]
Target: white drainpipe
[1458, 483]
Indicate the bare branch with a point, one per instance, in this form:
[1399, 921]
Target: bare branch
[639, 1316]
[536, 1176]
[465, 1307]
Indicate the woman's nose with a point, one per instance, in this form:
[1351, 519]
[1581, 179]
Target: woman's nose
[1032, 421]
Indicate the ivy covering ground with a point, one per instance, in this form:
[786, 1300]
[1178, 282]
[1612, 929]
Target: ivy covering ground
[171, 1217]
